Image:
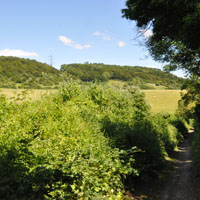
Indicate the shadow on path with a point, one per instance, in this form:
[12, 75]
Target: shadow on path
[183, 185]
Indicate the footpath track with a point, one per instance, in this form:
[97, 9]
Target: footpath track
[183, 185]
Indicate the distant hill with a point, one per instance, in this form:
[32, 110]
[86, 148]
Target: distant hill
[26, 73]
[141, 76]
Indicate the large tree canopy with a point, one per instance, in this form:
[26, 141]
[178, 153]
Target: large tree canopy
[176, 29]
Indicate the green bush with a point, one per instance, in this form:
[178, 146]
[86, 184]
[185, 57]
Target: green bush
[196, 147]
[181, 124]
[52, 150]
[85, 142]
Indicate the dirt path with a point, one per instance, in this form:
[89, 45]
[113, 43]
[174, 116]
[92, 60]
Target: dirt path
[183, 185]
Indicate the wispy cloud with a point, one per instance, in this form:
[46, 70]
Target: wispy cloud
[17, 53]
[69, 42]
[66, 41]
[121, 44]
[147, 33]
[102, 35]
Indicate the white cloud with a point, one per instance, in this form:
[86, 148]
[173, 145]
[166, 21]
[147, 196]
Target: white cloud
[147, 33]
[79, 46]
[65, 40]
[121, 44]
[17, 53]
[102, 35]
[68, 42]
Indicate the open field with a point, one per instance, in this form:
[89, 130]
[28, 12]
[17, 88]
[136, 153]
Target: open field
[33, 94]
[159, 100]
[163, 100]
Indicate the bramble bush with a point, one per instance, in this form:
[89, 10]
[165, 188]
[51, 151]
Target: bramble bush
[85, 142]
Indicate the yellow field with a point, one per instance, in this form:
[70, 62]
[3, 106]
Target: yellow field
[163, 100]
[32, 94]
[159, 100]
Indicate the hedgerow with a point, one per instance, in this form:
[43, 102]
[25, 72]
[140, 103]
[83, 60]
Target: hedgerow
[84, 142]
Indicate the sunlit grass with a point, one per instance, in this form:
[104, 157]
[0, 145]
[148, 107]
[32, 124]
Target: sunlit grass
[159, 100]
[163, 100]
[31, 94]
[116, 83]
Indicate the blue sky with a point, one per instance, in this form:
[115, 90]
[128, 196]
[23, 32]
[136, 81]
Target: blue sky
[72, 31]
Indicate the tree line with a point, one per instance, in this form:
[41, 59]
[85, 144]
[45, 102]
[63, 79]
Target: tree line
[26, 73]
[135, 74]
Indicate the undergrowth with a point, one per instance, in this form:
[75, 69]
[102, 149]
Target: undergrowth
[85, 142]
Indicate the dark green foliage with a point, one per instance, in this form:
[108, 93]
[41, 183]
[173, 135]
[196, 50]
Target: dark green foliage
[175, 28]
[181, 125]
[178, 20]
[189, 105]
[190, 108]
[175, 54]
[137, 75]
[196, 147]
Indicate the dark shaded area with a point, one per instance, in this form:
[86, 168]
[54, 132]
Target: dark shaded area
[179, 182]
[184, 183]
[18, 182]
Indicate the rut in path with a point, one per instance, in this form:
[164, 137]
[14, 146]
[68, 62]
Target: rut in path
[183, 184]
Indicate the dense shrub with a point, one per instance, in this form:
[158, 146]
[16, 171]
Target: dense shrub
[82, 143]
[196, 138]
[196, 147]
[52, 150]
[181, 124]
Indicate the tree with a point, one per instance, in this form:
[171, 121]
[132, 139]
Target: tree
[176, 54]
[175, 27]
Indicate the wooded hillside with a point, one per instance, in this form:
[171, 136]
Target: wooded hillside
[26, 73]
[135, 74]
